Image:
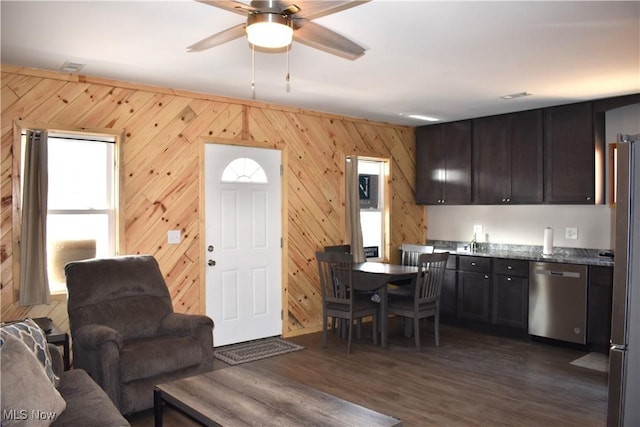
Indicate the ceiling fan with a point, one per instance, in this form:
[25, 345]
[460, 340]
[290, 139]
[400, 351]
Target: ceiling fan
[294, 19]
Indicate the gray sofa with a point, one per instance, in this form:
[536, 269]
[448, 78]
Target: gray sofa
[35, 391]
[86, 403]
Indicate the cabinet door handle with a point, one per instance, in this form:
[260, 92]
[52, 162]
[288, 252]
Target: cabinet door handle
[486, 276]
[473, 264]
[508, 279]
[509, 267]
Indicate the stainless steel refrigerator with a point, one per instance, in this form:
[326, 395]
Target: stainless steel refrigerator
[624, 355]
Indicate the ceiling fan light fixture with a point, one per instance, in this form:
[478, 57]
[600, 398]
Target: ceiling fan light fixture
[270, 30]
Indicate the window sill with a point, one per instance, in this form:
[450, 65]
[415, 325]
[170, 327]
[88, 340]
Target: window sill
[59, 296]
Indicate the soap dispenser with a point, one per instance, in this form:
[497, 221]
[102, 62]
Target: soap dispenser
[473, 246]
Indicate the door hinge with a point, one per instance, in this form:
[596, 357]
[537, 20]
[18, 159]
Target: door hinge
[281, 243]
[281, 314]
[281, 170]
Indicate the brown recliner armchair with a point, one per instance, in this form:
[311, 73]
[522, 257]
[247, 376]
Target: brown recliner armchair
[125, 333]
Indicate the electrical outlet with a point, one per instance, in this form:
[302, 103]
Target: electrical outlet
[571, 233]
[173, 237]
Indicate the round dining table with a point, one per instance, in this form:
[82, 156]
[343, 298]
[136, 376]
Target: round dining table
[375, 276]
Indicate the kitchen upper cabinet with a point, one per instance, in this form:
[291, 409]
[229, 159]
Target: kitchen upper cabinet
[550, 155]
[507, 158]
[510, 293]
[443, 164]
[570, 154]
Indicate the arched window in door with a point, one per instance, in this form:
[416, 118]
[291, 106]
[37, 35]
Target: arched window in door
[244, 170]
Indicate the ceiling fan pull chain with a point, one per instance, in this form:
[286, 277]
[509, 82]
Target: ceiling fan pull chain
[253, 71]
[287, 77]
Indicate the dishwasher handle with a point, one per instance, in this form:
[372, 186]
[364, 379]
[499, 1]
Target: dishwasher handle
[555, 273]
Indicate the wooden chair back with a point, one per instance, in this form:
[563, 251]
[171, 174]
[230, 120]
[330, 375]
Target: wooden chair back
[409, 253]
[430, 277]
[336, 276]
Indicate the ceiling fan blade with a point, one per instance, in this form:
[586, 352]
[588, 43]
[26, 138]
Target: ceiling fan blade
[313, 9]
[230, 5]
[319, 37]
[219, 38]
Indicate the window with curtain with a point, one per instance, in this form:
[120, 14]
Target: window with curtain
[82, 201]
[373, 216]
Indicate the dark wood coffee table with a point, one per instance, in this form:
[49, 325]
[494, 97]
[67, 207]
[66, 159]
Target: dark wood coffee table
[247, 395]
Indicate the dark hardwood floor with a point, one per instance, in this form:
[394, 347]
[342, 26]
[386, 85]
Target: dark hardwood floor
[472, 379]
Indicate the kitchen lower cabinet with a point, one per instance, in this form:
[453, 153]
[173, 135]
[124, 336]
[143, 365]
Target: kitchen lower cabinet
[474, 287]
[493, 294]
[449, 294]
[510, 293]
[599, 308]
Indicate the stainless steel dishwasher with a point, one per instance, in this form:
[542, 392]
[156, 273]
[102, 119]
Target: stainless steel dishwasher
[558, 301]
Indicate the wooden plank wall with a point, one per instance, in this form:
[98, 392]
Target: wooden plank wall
[164, 131]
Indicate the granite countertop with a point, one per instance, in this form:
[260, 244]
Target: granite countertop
[526, 252]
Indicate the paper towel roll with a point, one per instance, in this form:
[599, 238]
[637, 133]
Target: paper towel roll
[547, 248]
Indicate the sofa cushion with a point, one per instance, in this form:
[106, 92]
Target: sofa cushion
[28, 396]
[147, 357]
[34, 337]
[87, 403]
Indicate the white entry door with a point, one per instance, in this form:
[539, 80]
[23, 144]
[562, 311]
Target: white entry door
[243, 251]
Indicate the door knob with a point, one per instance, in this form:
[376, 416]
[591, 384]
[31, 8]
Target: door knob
[211, 263]
[210, 248]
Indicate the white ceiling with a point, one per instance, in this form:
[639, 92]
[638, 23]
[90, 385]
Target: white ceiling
[452, 60]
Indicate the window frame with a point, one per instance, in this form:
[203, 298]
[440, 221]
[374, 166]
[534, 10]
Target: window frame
[231, 168]
[384, 207]
[20, 126]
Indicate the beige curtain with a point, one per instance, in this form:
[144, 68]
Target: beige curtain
[352, 207]
[34, 284]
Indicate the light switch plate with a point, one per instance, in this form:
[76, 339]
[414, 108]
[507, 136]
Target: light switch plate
[173, 237]
[571, 233]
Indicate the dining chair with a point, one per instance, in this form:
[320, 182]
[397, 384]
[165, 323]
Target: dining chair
[346, 249]
[425, 301]
[409, 254]
[339, 299]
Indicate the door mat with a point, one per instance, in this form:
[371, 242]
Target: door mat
[595, 361]
[250, 351]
